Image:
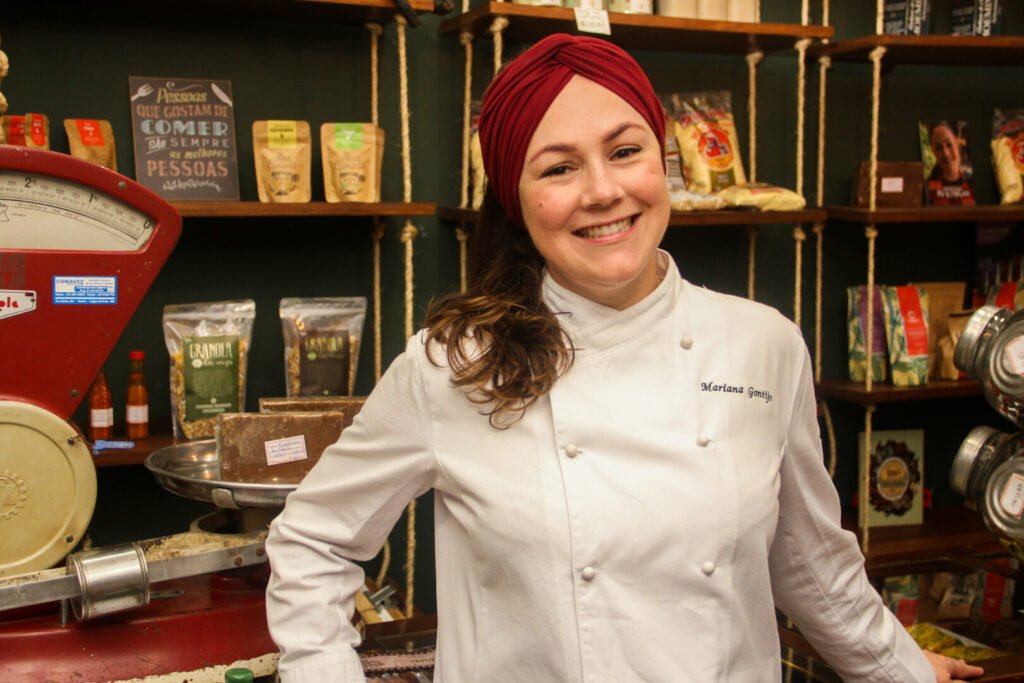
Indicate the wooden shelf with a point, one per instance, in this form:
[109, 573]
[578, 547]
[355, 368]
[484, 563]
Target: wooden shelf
[949, 536]
[845, 390]
[929, 214]
[528, 23]
[118, 457]
[259, 209]
[683, 219]
[964, 50]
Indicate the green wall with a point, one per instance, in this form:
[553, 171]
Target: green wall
[74, 60]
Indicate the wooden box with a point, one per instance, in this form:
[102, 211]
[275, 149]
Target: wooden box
[897, 183]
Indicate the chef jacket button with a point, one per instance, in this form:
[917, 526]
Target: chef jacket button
[572, 450]
[588, 573]
[708, 568]
[686, 342]
[703, 441]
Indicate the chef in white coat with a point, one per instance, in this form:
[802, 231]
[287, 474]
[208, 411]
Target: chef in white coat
[627, 468]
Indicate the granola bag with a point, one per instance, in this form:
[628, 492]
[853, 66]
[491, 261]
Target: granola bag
[322, 337]
[856, 334]
[208, 344]
[93, 141]
[283, 160]
[352, 154]
[706, 133]
[906, 333]
[1008, 153]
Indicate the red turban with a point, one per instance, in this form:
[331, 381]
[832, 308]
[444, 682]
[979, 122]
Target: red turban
[517, 99]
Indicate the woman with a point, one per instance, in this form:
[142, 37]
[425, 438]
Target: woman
[627, 467]
[948, 184]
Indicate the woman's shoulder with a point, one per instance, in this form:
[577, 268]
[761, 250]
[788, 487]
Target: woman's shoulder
[741, 316]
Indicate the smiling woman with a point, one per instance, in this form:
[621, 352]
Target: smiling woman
[627, 468]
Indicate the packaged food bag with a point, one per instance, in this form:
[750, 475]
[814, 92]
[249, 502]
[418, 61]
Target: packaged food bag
[322, 337]
[762, 196]
[944, 298]
[93, 141]
[856, 335]
[1008, 295]
[283, 154]
[208, 344]
[477, 174]
[37, 131]
[706, 134]
[906, 333]
[14, 129]
[1008, 153]
[352, 154]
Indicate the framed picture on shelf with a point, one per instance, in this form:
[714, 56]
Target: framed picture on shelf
[896, 492]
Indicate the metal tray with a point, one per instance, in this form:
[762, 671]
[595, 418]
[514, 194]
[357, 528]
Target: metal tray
[191, 469]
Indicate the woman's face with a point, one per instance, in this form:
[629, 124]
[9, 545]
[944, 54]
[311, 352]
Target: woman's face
[947, 152]
[593, 195]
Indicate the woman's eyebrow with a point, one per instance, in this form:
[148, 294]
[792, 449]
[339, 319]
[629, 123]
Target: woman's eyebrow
[565, 148]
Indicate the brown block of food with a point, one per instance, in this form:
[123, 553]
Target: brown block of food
[273, 448]
[897, 184]
[348, 406]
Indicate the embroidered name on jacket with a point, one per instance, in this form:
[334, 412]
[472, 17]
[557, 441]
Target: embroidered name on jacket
[749, 392]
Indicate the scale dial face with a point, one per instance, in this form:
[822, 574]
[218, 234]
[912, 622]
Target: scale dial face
[39, 211]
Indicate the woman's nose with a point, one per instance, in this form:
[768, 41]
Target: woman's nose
[601, 187]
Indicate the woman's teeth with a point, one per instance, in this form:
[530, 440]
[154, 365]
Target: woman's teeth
[604, 230]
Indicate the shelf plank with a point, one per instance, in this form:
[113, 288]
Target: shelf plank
[929, 214]
[120, 457]
[528, 23]
[947, 535]
[854, 392]
[682, 219]
[217, 209]
[963, 50]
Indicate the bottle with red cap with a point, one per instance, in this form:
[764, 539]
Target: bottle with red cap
[137, 398]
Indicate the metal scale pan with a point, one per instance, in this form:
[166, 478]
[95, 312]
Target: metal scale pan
[191, 469]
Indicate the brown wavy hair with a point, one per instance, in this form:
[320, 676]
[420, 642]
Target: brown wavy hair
[503, 343]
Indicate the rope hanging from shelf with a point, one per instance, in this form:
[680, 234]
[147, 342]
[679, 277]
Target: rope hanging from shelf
[497, 27]
[799, 237]
[871, 234]
[751, 260]
[865, 479]
[375, 32]
[408, 239]
[461, 234]
[805, 12]
[753, 59]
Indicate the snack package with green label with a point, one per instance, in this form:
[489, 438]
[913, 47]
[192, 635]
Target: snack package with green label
[856, 335]
[322, 337]
[208, 345]
[352, 155]
[906, 333]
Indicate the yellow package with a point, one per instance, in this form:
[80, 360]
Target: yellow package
[763, 197]
[706, 134]
[1008, 153]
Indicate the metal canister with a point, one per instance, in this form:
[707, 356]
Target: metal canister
[991, 349]
[989, 472]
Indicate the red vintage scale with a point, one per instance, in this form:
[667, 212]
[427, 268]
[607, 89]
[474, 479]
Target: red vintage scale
[79, 248]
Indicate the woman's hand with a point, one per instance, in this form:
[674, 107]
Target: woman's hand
[949, 670]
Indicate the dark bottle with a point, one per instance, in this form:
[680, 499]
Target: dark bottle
[136, 398]
[101, 409]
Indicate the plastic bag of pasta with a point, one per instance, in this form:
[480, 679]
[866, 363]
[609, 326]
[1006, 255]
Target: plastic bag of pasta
[1008, 153]
[208, 344]
[322, 337]
[684, 200]
[763, 197]
[706, 132]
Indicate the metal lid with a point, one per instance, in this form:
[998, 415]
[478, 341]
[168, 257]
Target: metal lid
[48, 481]
[1004, 499]
[965, 353]
[965, 458]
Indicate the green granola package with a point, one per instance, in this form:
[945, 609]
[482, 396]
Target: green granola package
[856, 334]
[906, 332]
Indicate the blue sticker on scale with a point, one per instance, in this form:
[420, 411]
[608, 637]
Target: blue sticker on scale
[84, 289]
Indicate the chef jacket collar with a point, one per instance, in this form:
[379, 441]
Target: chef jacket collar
[595, 327]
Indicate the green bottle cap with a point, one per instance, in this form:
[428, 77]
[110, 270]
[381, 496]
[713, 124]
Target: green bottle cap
[238, 676]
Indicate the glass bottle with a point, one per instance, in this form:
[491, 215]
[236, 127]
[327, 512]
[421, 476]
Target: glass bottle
[991, 349]
[101, 409]
[988, 471]
[136, 398]
[238, 675]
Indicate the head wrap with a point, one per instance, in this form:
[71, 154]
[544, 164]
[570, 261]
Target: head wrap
[519, 96]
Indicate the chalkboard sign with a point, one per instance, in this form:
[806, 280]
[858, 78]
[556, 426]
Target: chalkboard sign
[184, 134]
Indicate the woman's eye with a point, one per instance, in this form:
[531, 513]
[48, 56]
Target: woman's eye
[624, 152]
[555, 171]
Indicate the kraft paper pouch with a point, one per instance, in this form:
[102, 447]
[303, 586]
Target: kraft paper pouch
[283, 157]
[352, 154]
[93, 141]
[856, 334]
[906, 332]
[943, 299]
[37, 131]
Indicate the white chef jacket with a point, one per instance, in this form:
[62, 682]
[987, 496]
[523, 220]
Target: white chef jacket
[640, 523]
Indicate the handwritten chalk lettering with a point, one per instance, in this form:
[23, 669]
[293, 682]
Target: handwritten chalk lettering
[192, 127]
